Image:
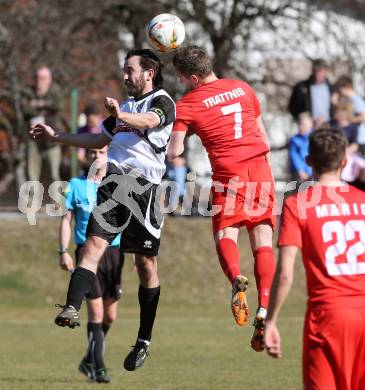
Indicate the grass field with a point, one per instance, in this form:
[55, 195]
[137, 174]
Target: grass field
[196, 344]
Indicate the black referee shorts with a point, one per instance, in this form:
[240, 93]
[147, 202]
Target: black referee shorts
[131, 206]
[108, 275]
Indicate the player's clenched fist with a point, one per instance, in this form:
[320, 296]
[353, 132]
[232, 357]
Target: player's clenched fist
[272, 340]
[40, 131]
[112, 106]
[66, 262]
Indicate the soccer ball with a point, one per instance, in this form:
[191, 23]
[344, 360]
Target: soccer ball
[165, 32]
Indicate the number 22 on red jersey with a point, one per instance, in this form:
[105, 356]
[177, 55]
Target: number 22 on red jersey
[348, 241]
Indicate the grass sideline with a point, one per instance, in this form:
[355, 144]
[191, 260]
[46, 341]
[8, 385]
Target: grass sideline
[196, 344]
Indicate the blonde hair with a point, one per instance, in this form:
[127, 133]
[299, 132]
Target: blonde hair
[304, 115]
[346, 107]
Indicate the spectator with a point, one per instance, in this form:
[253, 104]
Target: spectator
[93, 120]
[353, 172]
[342, 116]
[313, 95]
[298, 148]
[345, 91]
[42, 104]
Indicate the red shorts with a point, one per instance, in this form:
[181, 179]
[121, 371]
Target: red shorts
[334, 349]
[246, 200]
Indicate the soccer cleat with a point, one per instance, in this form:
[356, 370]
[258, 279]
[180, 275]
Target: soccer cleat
[101, 376]
[136, 356]
[69, 316]
[257, 341]
[87, 369]
[239, 300]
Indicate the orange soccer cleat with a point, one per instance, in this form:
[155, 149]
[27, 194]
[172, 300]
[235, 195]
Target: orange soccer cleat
[239, 301]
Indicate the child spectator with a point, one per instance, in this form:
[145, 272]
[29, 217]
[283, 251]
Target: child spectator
[345, 91]
[298, 148]
[353, 171]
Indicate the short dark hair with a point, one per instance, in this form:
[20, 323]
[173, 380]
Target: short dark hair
[327, 148]
[91, 109]
[344, 81]
[149, 60]
[191, 60]
[318, 64]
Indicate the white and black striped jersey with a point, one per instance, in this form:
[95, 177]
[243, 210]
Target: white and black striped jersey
[143, 150]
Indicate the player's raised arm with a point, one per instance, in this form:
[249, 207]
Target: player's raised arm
[146, 120]
[161, 113]
[88, 141]
[281, 285]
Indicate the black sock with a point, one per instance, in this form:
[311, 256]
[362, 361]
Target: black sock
[95, 351]
[89, 357]
[106, 328]
[148, 302]
[81, 282]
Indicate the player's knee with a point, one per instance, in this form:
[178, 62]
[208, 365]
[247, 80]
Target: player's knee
[110, 317]
[97, 243]
[94, 246]
[96, 314]
[146, 266]
[261, 235]
[146, 262]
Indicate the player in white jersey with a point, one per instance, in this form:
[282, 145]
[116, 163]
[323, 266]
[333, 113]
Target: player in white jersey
[137, 131]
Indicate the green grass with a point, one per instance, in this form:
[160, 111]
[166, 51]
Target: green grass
[196, 344]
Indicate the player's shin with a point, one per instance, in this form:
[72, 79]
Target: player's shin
[264, 274]
[96, 338]
[229, 258]
[148, 301]
[81, 282]
[106, 328]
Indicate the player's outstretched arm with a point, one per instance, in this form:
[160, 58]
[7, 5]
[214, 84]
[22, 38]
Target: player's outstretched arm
[88, 141]
[176, 145]
[281, 285]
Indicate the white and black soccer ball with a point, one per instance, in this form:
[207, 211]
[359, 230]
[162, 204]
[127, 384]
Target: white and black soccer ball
[165, 32]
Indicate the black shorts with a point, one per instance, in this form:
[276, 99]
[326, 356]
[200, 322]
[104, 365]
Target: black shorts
[108, 275]
[131, 206]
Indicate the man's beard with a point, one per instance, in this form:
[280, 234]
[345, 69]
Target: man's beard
[137, 88]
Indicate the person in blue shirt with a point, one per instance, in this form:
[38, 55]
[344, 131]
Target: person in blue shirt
[298, 148]
[102, 299]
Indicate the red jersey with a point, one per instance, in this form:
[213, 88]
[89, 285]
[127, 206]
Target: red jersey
[331, 234]
[223, 113]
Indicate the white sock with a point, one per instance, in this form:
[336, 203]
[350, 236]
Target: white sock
[144, 341]
[261, 312]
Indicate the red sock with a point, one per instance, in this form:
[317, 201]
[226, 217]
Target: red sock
[229, 258]
[264, 273]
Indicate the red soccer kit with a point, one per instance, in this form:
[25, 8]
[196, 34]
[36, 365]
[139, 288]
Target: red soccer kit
[331, 235]
[223, 113]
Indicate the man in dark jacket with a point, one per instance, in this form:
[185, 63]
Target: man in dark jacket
[313, 95]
